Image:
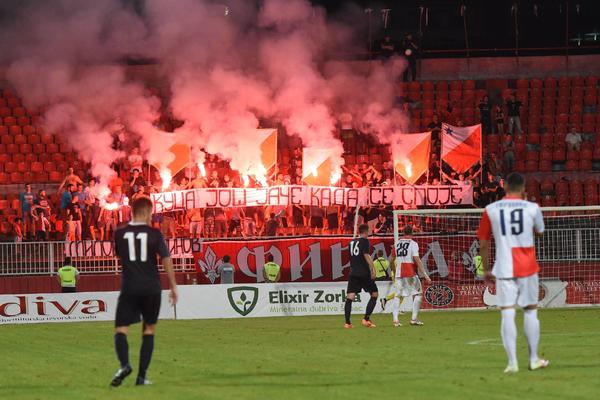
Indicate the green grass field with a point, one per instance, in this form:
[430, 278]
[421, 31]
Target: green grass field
[456, 355]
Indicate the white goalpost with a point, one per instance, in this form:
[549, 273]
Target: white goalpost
[568, 254]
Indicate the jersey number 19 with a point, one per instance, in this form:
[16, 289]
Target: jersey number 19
[143, 238]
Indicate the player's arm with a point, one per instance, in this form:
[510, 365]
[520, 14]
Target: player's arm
[393, 263]
[484, 233]
[538, 222]
[167, 262]
[421, 268]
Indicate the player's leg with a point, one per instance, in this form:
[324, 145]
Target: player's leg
[528, 298]
[370, 287]
[507, 293]
[124, 317]
[350, 296]
[414, 285]
[395, 311]
[150, 307]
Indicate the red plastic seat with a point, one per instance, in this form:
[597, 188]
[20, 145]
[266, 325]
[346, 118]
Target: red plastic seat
[572, 155]
[25, 148]
[12, 148]
[545, 165]
[37, 167]
[571, 165]
[585, 165]
[531, 166]
[47, 138]
[5, 112]
[531, 156]
[16, 177]
[30, 157]
[4, 178]
[14, 130]
[559, 154]
[23, 121]
[18, 157]
[55, 176]
[53, 148]
[23, 167]
[29, 130]
[39, 148]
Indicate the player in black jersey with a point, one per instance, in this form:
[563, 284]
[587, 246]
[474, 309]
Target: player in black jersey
[138, 245]
[362, 276]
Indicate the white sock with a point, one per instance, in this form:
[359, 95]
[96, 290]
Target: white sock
[395, 308]
[416, 306]
[509, 334]
[531, 325]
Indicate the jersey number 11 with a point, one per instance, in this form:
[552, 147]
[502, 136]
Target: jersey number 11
[143, 238]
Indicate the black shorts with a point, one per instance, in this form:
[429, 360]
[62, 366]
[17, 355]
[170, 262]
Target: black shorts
[316, 222]
[131, 306]
[358, 283]
[69, 289]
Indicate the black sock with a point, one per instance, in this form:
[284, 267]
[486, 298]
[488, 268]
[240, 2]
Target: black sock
[370, 307]
[122, 349]
[145, 354]
[348, 310]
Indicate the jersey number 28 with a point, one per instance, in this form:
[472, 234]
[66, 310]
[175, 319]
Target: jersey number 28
[402, 249]
[143, 238]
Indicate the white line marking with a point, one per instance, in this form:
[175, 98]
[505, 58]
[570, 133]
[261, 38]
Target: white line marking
[491, 341]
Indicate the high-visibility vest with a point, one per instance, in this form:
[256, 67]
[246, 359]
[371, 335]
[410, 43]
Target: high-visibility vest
[67, 274]
[381, 267]
[272, 270]
[478, 261]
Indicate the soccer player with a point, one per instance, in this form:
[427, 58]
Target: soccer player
[406, 260]
[362, 276]
[138, 245]
[514, 221]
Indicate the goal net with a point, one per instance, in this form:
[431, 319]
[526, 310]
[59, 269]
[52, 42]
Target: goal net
[568, 254]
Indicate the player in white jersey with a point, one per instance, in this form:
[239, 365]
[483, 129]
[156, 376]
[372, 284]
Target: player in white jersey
[406, 260]
[514, 222]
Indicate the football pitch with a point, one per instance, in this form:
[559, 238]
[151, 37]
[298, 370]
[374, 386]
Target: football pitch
[456, 355]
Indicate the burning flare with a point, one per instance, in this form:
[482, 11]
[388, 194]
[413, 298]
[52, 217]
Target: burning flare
[335, 177]
[201, 168]
[166, 177]
[313, 171]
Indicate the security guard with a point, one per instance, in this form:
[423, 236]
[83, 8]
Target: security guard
[382, 267]
[271, 270]
[478, 263]
[67, 276]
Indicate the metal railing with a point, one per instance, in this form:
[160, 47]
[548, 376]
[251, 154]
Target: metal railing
[44, 258]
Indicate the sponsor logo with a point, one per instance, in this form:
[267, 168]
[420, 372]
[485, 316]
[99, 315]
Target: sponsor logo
[243, 299]
[439, 295]
[40, 306]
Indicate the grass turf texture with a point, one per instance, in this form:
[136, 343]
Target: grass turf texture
[456, 355]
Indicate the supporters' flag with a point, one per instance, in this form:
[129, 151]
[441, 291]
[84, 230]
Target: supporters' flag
[181, 157]
[461, 146]
[410, 152]
[316, 166]
[268, 148]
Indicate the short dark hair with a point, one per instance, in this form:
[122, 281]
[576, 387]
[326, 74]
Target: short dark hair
[379, 253]
[269, 257]
[68, 185]
[140, 205]
[67, 261]
[363, 228]
[226, 258]
[515, 182]
[135, 169]
[408, 230]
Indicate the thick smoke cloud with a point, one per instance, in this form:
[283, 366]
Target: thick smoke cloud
[227, 69]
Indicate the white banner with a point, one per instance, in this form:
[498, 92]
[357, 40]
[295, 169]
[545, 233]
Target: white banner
[179, 248]
[229, 301]
[320, 196]
[65, 307]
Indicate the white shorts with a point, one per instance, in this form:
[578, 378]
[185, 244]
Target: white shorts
[520, 292]
[405, 287]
